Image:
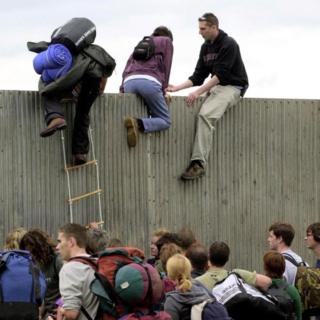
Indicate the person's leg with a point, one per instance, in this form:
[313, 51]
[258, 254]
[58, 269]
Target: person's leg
[88, 94]
[151, 93]
[54, 115]
[220, 99]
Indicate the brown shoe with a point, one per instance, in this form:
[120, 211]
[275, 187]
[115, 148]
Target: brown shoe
[79, 158]
[194, 171]
[132, 131]
[54, 125]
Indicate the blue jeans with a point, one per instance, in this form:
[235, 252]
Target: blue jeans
[151, 93]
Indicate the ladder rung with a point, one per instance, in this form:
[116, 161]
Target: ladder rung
[81, 165]
[86, 195]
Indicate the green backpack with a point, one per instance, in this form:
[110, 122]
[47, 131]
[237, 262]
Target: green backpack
[308, 283]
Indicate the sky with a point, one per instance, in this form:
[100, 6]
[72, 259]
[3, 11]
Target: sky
[279, 39]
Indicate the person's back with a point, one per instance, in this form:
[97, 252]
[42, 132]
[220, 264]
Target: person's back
[274, 266]
[179, 302]
[41, 247]
[218, 256]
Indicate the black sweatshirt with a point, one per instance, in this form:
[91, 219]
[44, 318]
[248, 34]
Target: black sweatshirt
[222, 58]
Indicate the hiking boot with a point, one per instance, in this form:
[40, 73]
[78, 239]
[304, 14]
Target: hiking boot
[195, 170]
[79, 158]
[132, 131]
[54, 125]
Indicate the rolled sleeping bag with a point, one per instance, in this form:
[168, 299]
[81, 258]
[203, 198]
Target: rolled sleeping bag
[53, 63]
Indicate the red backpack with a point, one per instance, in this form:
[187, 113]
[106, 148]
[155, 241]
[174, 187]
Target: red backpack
[124, 284]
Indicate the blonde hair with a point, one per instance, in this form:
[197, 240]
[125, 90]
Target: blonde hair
[13, 238]
[179, 269]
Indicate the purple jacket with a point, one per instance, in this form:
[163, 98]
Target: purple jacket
[158, 66]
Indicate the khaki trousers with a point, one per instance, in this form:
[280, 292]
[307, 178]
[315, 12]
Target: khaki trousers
[219, 99]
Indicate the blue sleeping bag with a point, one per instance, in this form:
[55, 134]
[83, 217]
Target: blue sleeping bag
[53, 63]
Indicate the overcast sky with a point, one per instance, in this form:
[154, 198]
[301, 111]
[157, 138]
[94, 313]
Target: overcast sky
[279, 39]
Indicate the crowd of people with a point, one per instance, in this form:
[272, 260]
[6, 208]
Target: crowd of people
[190, 273]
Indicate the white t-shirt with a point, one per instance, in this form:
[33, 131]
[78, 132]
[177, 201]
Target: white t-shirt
[291, 270]
[74, 282]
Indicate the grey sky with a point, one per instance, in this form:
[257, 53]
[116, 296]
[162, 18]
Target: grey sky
[279, 39]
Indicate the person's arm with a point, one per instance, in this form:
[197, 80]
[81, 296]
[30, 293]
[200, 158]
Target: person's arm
[183, 85]
[255, 279]
[202, 89]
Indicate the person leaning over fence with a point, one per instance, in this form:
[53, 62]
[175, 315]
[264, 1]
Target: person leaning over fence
[219, 56]
[71, 65]
[75, 276]
[147, 74]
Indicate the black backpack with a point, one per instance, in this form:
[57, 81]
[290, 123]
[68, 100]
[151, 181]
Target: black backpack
[144, 50]
[245, 302]
[284, 301]
[76, 34]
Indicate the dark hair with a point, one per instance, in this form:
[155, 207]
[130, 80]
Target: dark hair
[97, 241]
[314, 229]
[76, 231]
[210, 19]
[219, 253]
[274, 264]
[283, 230]
[168, 238]
[162, 31]
[40, 245]
[187, 237]
[198, 256]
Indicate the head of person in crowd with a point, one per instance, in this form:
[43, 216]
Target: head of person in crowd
[187, 238]
[167, 251]
[97, 241]
[157, 234]
[198, 256]
[72, 241]
[13, 238]
[115, 242]
[219, 253]
[274, 264]
[280, 236]
[40, 245]
[179, 270]
[168, 238]
[162, 31]
[313, 237]
[208, 26]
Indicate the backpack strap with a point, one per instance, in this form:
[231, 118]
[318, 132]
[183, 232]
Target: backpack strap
[85, 260]
[35, 272]
[85, 312]
[291, 259]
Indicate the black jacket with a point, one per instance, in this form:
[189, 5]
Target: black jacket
[222, 58]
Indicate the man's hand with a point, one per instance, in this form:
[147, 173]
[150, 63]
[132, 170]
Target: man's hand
[172, 88]
[192, 97]
[168, 98]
